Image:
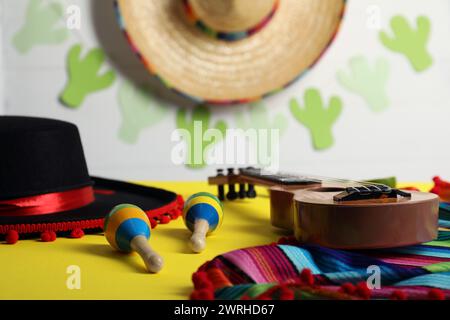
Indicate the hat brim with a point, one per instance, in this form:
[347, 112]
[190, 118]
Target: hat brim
[108, 193]
[207, 69]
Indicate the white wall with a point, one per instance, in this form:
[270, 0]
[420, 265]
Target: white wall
[410, 139]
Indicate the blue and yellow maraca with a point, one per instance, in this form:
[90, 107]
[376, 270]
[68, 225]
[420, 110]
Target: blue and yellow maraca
[202, 214]
[127, 229]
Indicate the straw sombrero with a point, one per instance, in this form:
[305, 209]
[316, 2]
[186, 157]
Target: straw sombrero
[229, 51]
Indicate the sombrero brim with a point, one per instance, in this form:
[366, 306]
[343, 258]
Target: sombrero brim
[194, 63]
[108, 193]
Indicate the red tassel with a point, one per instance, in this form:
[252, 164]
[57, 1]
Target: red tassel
[12, 236]
[201, 281]
[436, 294]
[77, 233]
[175, 213]
[363, 291]
[202, 294]
[398, 295]
[48, 236]
[348, 288]
[153, 223]
[307, 277]
[164, 219]
[286, 294]
[288, 240]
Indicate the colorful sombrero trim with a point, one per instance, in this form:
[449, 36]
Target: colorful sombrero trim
[199, 100]
[74, 229]
[227, 36]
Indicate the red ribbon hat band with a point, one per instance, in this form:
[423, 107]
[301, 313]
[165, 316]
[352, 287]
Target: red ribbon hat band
[48, 203]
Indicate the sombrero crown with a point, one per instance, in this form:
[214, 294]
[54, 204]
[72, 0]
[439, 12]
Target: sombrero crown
[40, 156]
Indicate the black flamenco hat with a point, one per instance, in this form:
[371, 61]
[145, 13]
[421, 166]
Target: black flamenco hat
[45, 186]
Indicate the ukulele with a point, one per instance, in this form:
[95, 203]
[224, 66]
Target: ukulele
[337, 213]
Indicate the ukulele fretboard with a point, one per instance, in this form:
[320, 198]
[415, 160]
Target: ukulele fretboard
[279, 178]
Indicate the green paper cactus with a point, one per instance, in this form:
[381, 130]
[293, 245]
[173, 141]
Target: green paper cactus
[139, 109]
[40, 26]
[409, 41]
[317, 118]
[84, 76]
[366, 81]
[202, 115]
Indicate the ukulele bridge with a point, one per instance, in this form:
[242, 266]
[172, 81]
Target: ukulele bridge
[369, 192]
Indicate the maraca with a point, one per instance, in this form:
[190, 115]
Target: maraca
[202, 214]
[127, 229]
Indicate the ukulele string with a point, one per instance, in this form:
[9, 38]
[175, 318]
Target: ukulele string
[345, 182]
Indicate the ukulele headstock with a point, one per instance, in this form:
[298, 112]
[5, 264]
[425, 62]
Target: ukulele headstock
[232, 177]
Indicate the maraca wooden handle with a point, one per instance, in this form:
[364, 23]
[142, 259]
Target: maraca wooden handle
[201, 228]
[153, 261]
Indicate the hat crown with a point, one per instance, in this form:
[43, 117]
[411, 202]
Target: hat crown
[40, 156]
[232, 15]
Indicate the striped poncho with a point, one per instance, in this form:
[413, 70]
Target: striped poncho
[289, 270]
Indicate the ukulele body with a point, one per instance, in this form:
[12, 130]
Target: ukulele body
[336, 213]
[282, 205]
[315, 217]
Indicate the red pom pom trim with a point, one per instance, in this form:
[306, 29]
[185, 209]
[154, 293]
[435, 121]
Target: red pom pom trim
[12, 236]
[398, 295]
[202, 294]
[363, 291]
[436, 294]
[153, 223]
[201, 281]
[348, 288]
[286, 293]
[307, 277]
[48, 236]
[165, 219]
[77, 233]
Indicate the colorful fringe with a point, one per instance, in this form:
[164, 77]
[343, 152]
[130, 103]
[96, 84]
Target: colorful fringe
[289, 270]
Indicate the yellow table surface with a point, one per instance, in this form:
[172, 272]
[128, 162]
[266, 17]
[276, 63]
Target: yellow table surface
[31, 269]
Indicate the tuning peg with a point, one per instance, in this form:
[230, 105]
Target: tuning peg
[232, 194]
[251, 192]
[220, 187]
[242, 192]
